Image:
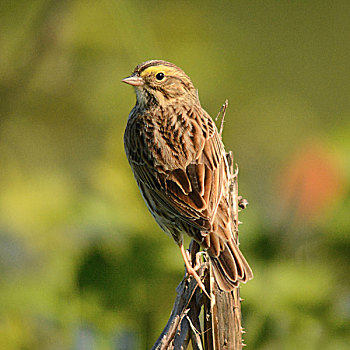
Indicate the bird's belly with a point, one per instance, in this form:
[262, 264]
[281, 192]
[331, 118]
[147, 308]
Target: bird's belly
[165, 219]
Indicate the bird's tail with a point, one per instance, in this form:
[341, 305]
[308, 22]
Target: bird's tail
[230, 267]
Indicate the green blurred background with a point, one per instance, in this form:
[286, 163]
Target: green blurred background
[82, 264]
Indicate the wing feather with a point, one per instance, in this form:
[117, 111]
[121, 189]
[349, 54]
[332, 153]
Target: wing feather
[189, 185]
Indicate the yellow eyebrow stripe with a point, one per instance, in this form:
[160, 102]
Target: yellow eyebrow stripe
[155, 70]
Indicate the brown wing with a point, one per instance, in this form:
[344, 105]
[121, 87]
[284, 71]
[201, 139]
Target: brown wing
[196, 188]
[179, 157]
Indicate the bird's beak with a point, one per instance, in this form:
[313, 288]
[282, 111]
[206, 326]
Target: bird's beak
[133, 80]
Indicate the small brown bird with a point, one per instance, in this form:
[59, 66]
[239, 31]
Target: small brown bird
[179, 163]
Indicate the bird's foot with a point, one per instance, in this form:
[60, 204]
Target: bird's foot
[199, 260]
[191, 271]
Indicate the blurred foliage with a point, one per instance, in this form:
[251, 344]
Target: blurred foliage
[83, 265]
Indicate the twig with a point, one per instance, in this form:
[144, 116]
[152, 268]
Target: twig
[177, 331]
[223, 111]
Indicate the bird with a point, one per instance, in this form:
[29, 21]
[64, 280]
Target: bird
[179, 162]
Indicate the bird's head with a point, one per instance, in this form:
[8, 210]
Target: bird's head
[161, 83]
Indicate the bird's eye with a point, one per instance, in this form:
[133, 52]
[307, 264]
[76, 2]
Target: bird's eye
[160, 76]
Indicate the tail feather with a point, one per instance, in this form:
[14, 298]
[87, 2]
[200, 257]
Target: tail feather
[230, 267]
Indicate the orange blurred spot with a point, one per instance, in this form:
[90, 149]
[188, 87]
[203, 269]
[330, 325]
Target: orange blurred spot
[311, 182]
